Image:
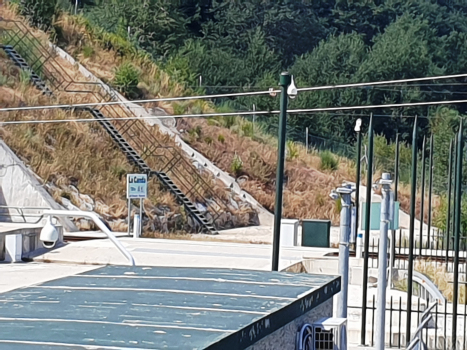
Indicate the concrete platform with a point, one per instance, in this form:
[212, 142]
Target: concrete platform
[179, 253]
[119, 307]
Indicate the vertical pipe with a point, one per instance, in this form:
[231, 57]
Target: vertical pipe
[306, 139]
[285, 81]
[448, 218]
[382, 261]
[457, 229]
[369, 181]
[357, 182]
[430, 189]
[129, 217]
[422, 196]
[413, 199]
[342, 298]
[140, 217]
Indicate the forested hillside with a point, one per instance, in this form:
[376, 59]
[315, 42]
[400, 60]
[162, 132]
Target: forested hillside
[243, 46]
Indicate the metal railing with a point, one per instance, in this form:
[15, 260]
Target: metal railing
[160, 156]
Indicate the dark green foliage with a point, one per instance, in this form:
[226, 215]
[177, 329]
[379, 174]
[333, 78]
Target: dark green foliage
[40, 13]
[328, 161]
[127, 79]
[244, 45]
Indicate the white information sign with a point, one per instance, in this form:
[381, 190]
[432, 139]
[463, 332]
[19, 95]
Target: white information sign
[136, 186]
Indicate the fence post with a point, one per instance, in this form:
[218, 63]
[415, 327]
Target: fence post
[422, 196]
[457, 230]
[413, 199]
[430, 188]
[448, 219]
[385, 183]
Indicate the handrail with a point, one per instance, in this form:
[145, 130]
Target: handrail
[20, 211]
[425, 318]
[99, 223]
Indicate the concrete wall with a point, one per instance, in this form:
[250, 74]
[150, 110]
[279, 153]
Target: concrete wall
[19, 187]
[285, 337]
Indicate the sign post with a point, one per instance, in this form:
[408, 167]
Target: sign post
[136, 187]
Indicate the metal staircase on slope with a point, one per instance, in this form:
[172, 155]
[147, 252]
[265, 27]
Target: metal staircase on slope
[20, 62]
[132, 156]
[176, 171]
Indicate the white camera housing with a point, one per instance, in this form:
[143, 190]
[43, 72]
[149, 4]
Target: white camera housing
[334, 195]
[49, 234]
[292, 91]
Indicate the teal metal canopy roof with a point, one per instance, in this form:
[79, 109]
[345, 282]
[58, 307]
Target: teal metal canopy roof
[119, 307]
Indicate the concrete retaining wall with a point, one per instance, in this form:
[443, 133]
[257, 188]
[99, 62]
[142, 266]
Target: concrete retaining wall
[19, 187]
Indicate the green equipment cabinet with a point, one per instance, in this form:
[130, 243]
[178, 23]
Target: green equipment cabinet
[316, 233]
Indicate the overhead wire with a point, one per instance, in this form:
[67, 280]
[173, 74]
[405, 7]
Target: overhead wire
[241, 113]
[239, 94]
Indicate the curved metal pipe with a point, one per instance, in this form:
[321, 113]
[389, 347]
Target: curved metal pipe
[99, 223]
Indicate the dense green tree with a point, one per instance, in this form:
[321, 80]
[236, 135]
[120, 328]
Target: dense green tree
[40, 13]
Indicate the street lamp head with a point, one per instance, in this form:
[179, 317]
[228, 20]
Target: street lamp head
[292, 89]
[358, 125]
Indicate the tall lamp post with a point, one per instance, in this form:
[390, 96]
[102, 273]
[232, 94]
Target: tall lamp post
[287, 89]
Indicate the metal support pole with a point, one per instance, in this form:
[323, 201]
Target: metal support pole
[448, 218]
[385, 183]
[413, 199]
[306, 139]
[140, 217]
[457, 230]
[285, 81]
[345, 194]
[129, 217]
[369, 181]
[358, 174]
[422, 195]
[430, 189]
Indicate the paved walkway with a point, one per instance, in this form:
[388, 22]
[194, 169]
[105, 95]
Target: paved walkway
[179, 253]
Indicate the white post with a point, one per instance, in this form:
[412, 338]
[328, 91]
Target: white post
[385, 183]
[76, 7]
[13, 248]
[306, 139]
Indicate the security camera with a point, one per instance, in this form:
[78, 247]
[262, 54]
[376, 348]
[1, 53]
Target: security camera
[49, 234]
[292, 89]
[334, 195]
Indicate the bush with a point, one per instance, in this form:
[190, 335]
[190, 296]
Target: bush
[40, 13]
[237, 165]
[328, 161]
[88, 51]
[292, 150]
[221, 138]
[127, 79]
